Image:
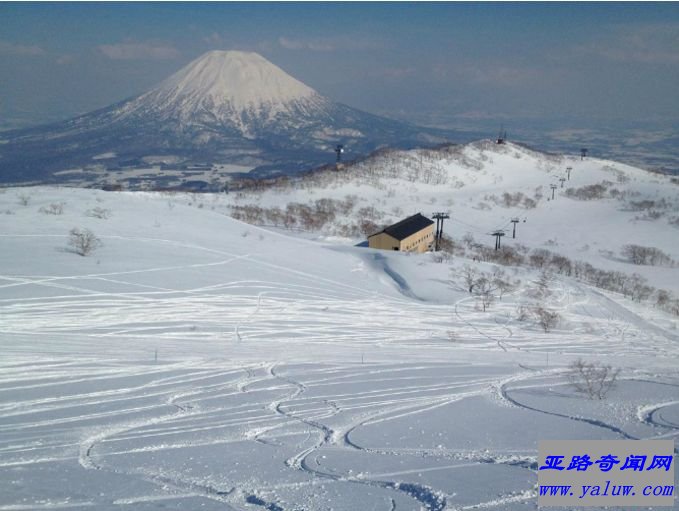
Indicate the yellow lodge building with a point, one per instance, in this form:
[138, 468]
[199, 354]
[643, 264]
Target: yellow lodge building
[414, 234]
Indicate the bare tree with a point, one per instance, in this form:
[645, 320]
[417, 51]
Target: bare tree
[543, 283]
[546, 319]
[539, 257]
[485, 290]
[593, 379]
[470, 276]
[651, 256]
[501, 283]
[83, 241]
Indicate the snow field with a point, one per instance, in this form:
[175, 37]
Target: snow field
[195, 362]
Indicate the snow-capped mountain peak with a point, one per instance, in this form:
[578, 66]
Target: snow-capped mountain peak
[239, 89]
[240, 79]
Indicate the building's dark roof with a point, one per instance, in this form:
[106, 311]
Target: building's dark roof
[401, 230]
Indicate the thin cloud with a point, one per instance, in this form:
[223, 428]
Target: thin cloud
[22, 50]
[65, 59]
[656, 43]
[330, 44]
[139, 51]
[298, 44]
[396, 72]
[214, 39]
[494, 73]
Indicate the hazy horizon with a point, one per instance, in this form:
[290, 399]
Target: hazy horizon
[533, 67]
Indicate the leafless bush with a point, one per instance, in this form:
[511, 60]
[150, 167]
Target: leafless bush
[539, 257]
[446, 244]
[547, 319]
[662, 298]
[83, 241]
[632, 286]
[653, 207]
[56, 208]
[507, 256]
[502, 283]
[589, 192]
[636, 288]
[593, 379]
[529, 203]
[650, 256]
[24, 199]
[522, 312]
[441, 257]
[561, 264]
[513, 200]
[98, 212]
[542, 286]
[368, 227]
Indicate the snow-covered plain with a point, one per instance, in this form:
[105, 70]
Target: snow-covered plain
[197, 362]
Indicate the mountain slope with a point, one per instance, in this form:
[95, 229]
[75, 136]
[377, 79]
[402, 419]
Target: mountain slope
[225, 107]
[604, 206]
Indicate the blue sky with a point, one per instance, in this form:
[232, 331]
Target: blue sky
[427, 62]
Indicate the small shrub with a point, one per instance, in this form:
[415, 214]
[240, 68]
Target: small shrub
[24, 199]
[522, 313]
[98, 212]
[543, 285]
[56, 208]
[589, 192]
[83, 241]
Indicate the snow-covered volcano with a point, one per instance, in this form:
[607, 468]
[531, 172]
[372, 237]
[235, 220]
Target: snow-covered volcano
[226, 107]
[239, 90]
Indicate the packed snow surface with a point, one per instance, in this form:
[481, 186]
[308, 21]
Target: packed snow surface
[196, 362]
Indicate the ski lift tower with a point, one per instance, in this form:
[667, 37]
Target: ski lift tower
[440, 217]
[339, 150]
[515, 221]
[502, 136]
[498, 235]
